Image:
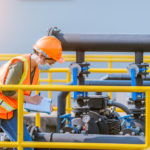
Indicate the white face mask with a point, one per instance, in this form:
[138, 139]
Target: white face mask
[44, 67]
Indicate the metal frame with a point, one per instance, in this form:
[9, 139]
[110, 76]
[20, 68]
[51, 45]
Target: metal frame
[21, 144]
[105, 42]
[101, 58]
[90, 58]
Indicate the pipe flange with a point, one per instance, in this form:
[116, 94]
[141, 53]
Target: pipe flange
[133, 66]
[72, 65]
[34, 130]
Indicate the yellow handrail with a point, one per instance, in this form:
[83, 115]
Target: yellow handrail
[94, 58]
[21, 144]
[97, 58]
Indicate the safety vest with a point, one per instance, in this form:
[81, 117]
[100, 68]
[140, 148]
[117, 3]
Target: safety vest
[8, 105]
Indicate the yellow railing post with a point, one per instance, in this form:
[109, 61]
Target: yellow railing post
[110, 67]
[50, 83]
[37, 117]
[147, 114]
[68, 106]
[38, 120]
[20, 143]
[20, 119]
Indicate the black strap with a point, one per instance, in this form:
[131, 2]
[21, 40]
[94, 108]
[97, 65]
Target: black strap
[1, 102]
[51, 137]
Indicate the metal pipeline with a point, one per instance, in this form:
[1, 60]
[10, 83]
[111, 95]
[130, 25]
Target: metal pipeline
[104, 42]
[89, 138]
[83, 138]
[61, 105]
[114, 83]
[122, 77]
[62, 96]
[119, 105]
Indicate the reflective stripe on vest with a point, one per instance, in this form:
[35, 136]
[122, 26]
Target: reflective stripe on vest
[26, 68]
[3, 103]
[6, 106]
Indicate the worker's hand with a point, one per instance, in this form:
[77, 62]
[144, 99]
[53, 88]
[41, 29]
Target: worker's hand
[36, 99]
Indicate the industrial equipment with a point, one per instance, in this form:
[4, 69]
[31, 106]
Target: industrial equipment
[95, 119]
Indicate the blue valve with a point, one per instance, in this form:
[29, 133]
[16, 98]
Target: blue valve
[75, 76]
[128, 121]
[68, 118]
[133, 83]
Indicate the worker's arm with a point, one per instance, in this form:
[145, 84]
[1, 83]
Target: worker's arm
[29, 99]
[14, 76]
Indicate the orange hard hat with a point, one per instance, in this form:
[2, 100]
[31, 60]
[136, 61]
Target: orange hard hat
[50, 47]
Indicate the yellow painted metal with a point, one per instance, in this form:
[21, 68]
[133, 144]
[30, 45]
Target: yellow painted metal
[22, 144]
[110, 56]
[100, 58]
[70, 109]
[83, 88]
[97, 70]
[59, 81]
[119, 110]
[147, 113]
[20, 119]
[54, 80]
[54, 108]
[37, 116]
[83, 145]
[93, 70]
[110, 64]
[68, 106]
[20, 147]
[8, 144]
[9, 55]
[38, 120]
[87, 56]
[50, 83]
[110, 67]
[57, 70]
[107, 60]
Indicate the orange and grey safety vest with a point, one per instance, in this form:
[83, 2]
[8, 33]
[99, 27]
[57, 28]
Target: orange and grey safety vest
[8, 105]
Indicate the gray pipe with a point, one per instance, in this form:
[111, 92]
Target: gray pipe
[111, 103]
[105, 42]
[62, 96]
[123, 107]
[121, 77]
[114, 83]
[89, 138]
[61, 105]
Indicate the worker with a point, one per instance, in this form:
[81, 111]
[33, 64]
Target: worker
[24, 70]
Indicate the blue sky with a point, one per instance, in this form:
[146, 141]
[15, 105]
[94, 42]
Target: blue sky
[24, 21]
